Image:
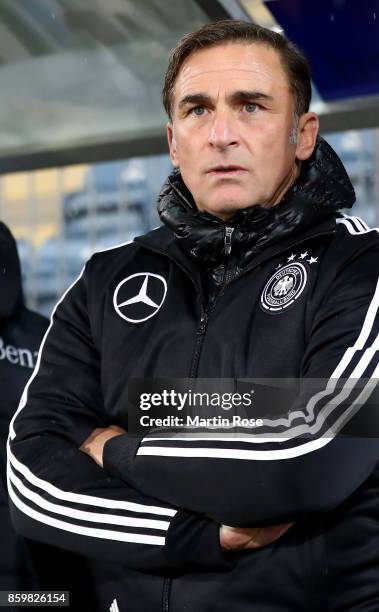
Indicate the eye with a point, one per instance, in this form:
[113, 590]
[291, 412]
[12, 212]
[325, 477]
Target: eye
[251, 107]
[198, 111]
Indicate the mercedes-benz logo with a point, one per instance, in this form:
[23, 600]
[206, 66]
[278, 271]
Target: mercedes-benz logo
[139, 296]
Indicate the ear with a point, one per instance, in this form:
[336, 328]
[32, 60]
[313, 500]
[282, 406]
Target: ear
[306, 135]
[172, 144]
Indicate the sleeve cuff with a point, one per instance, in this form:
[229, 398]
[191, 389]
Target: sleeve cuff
[118, 456]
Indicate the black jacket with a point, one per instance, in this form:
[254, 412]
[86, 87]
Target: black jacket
[303, 305]
[24, 563]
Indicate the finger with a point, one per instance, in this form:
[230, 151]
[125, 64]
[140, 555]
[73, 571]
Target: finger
[117, 429]
[266, 535]
[233, 538]
[88, 441]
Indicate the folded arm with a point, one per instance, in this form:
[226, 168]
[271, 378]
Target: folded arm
[231, 538]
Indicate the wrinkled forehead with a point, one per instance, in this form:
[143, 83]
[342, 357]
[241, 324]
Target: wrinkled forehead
[229, 66]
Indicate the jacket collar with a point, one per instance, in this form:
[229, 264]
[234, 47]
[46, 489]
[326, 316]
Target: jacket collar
[163, 241]
[322, 189]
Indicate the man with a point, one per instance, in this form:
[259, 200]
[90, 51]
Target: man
[24, 564]
[256, 274]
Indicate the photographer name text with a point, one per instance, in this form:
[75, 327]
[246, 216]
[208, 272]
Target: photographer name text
[197, 421]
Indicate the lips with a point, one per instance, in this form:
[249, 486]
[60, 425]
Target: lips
[226, 170]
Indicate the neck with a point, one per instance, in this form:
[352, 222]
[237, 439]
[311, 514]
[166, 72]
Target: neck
[286, 184]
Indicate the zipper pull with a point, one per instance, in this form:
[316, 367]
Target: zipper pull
[228, 240]
[203, 323]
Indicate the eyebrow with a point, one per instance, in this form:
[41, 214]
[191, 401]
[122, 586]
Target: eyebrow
[236, 96]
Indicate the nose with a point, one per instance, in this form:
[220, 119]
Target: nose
[223, 133]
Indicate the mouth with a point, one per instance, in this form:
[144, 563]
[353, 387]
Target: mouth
[230, 170]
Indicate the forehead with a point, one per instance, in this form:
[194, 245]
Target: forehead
[232, 65]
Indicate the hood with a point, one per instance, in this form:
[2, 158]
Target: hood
[10, 274]
[321, 190]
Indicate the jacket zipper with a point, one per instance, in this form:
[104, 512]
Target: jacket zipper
[200, 333]
[166, 594]
[204, 317]
[228, 240]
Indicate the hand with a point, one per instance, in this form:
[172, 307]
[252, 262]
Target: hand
[246, 538]
[94, 444]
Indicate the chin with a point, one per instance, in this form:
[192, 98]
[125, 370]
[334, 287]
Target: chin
[227, 209]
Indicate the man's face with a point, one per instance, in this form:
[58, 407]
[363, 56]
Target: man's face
[232, 128]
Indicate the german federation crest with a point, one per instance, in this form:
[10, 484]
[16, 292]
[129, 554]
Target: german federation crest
[284, 288]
